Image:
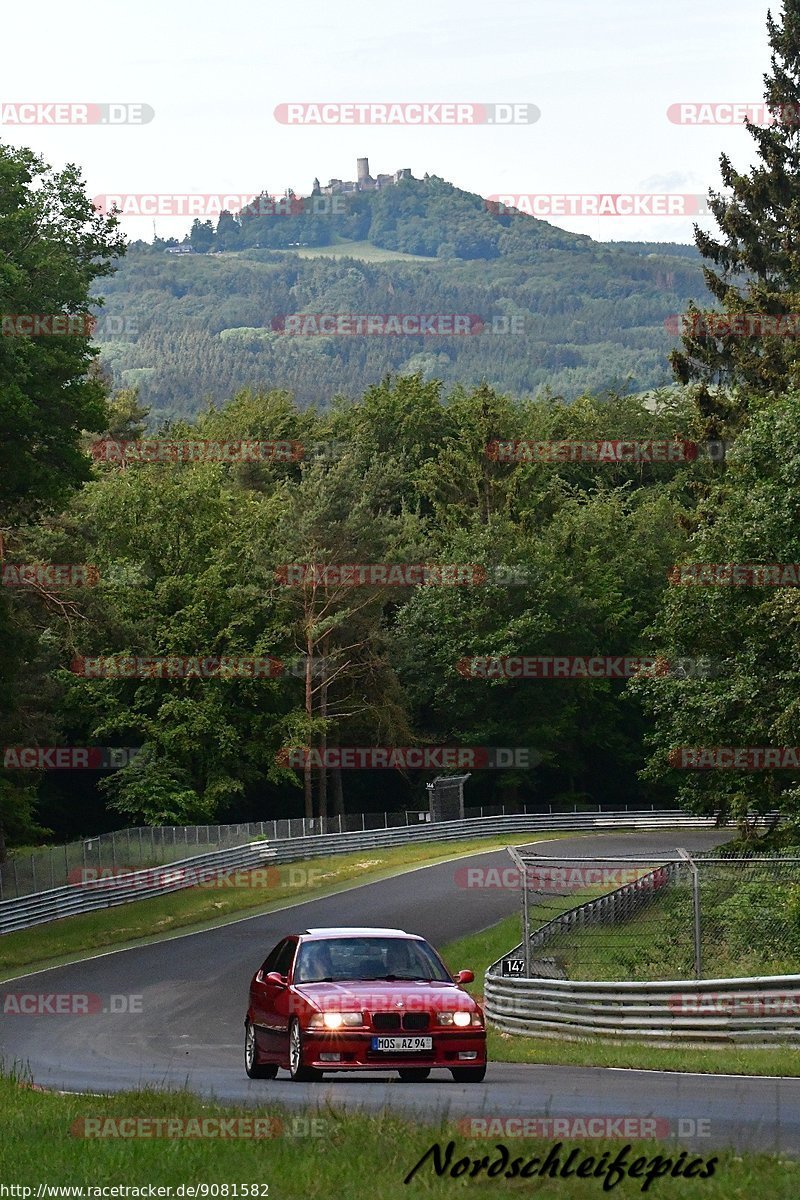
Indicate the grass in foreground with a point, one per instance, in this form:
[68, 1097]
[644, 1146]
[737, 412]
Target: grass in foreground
[479, 950]
[359, 1158]
[146, 920]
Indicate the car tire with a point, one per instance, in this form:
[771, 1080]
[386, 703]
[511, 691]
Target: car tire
[468, 1074]
[413, 1074]
[253, 1069]
[299, 1072]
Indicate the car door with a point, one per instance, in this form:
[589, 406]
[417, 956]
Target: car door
[276, 1003]
[261, 997]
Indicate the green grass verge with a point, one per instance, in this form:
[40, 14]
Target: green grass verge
[480, 950]
[201, 907]
[352, 1157]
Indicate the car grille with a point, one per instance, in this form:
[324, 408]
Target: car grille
[396, 1020]
[416, 1020]
[386, 1020]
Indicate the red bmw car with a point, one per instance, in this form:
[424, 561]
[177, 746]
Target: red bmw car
[361, 1000]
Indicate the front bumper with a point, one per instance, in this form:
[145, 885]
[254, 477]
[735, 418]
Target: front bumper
[451, 1048]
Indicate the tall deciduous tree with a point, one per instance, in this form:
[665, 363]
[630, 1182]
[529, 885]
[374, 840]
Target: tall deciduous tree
[754, 264]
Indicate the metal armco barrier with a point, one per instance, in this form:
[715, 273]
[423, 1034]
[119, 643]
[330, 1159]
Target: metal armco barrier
[758, 1010]
[753, 1011]
[66, 901]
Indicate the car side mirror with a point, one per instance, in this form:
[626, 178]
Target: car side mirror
[277, 979]
[465, 977]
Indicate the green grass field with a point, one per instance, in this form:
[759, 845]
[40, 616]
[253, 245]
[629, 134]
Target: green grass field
[364, 251]
[319, 1154]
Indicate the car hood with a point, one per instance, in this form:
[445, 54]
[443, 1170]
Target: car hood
[380, 996]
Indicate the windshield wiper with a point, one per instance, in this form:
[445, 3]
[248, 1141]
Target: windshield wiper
[400, 979]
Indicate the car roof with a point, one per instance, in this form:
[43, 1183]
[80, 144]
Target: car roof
[357, 931]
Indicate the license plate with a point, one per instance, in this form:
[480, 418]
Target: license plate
[402, 1044]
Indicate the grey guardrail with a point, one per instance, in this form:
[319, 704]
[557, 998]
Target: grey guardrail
[89, 896]
[756, 1010]
[751, 1011]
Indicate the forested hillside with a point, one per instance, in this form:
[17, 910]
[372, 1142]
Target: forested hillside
[561, 313]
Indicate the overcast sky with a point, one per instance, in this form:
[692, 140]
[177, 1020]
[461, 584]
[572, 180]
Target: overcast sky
[602, 74]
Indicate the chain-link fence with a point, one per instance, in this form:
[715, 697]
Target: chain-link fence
[710, 916]
[152, 846]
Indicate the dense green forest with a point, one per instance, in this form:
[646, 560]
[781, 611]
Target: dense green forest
[567, 558]
[563, 314]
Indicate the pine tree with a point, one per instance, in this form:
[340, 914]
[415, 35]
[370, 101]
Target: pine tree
[755, 275]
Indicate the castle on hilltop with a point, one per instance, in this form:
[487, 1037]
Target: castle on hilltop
[363, 183]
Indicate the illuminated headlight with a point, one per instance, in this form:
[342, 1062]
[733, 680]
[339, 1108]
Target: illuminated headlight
[335, 1020]
[460, 1018]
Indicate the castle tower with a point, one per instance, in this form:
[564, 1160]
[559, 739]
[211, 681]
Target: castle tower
[363, 170]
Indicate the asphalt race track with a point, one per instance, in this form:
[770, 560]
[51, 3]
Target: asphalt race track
[194, 995]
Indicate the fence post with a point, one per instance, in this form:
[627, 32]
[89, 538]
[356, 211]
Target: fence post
[363, 822]
[526, 940]
[698, 945]
[33, 872]
[340, 822]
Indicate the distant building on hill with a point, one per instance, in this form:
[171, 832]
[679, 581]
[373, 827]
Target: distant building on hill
[363, 182]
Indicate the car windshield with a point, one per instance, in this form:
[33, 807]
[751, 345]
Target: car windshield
[331, 960]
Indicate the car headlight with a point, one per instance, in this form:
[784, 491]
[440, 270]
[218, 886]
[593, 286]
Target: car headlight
[460, 1018]
[335, 1020]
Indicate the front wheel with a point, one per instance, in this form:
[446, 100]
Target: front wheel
[413, 1074]
[299, 1072]
[468, 1074]
[255, 1070]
